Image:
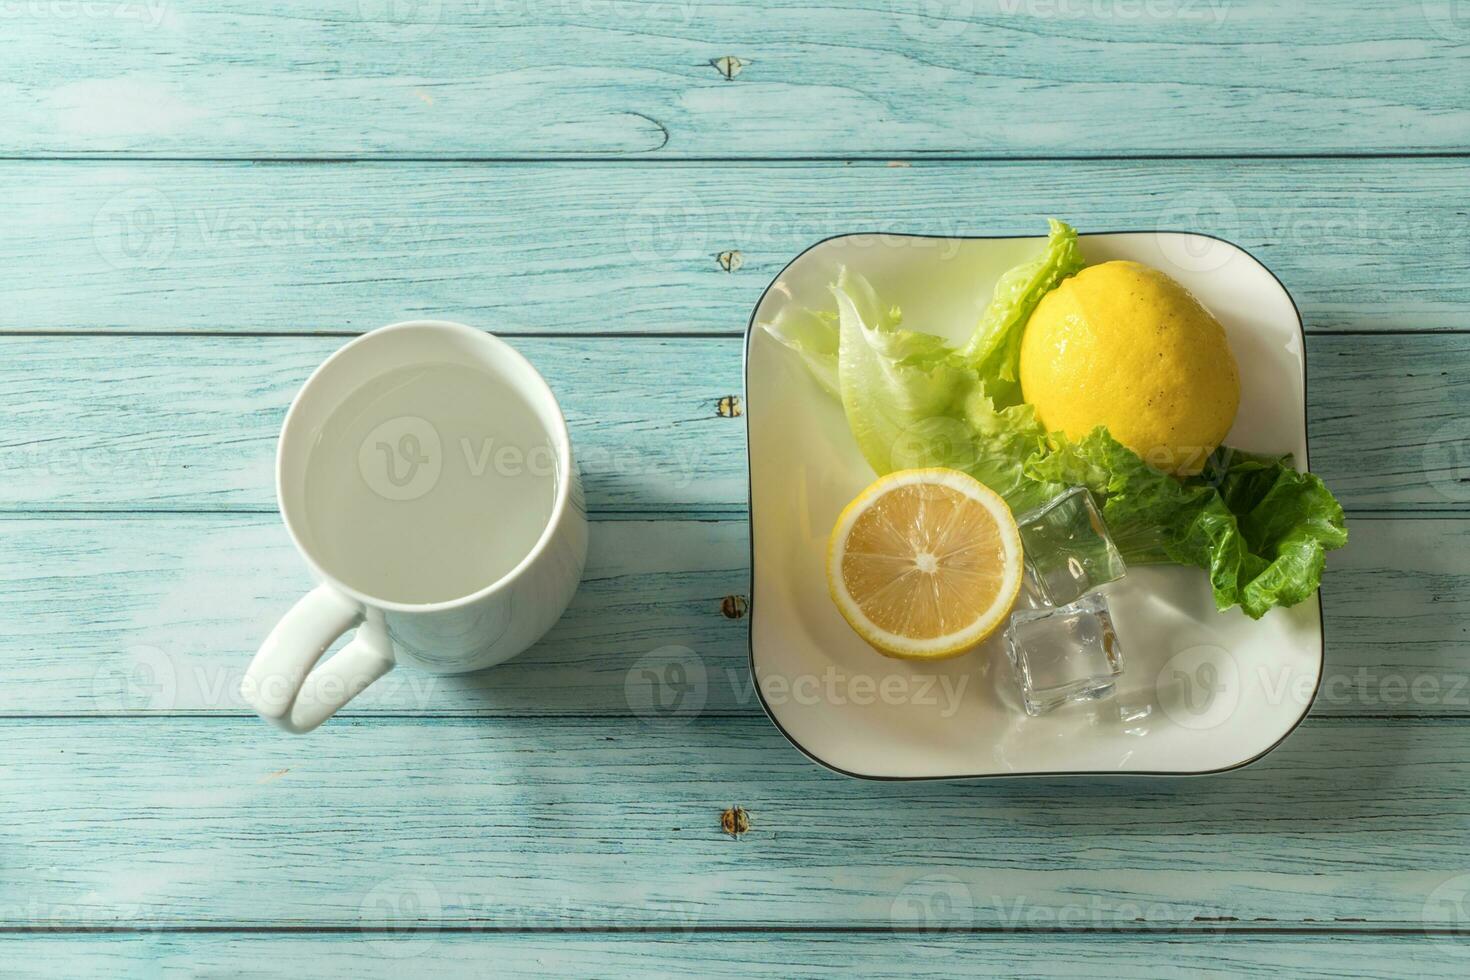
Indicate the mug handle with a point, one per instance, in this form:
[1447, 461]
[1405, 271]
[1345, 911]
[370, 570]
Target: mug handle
[280, 683]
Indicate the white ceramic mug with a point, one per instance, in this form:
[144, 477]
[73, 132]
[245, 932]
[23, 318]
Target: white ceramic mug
[487, 626]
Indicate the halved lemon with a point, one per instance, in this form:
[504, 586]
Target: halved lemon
[925, 564]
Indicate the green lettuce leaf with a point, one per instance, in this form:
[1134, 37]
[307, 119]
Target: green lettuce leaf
[1258, 527]
[913, 400]
[995, 346]
[813, 335]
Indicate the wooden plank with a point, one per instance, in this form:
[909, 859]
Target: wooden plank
[540, 248]
[145, 422]
[161, 613]
[578, 823]
[739, 956]
[469, 78]
[148, 422]
[175, 604]
[1417, 387]
[1396, 606]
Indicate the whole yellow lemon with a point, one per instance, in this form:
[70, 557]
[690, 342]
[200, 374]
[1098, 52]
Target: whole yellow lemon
[1123, 345]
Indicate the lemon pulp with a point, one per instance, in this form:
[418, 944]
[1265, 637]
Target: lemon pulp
[925, 564]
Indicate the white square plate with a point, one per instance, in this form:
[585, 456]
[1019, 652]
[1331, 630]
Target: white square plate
[1201, 692]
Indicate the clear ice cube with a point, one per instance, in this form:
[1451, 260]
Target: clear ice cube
[1068, 550]
[1070, 653]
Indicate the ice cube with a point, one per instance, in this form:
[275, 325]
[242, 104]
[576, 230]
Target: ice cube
[1068, 550]
[1070, 653]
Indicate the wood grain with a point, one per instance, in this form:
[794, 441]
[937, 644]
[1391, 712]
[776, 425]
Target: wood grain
[578, 823]
[589, 175]
[543, 248]
[1416, 386]
[355, 78]
[159, 614]
[119, 423]
[738, 956]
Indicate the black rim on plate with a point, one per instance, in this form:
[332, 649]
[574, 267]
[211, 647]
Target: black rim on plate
[1031, 774]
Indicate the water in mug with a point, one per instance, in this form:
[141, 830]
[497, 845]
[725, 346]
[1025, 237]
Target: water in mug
[429, 483]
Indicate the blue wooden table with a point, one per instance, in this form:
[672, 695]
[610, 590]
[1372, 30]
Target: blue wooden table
[202, 198]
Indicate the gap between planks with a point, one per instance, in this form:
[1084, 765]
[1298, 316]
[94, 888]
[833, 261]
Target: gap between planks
[389, 716]
[608, 334]
[901, 156]
[704, 514]
[712, 714]
[1254, 929]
